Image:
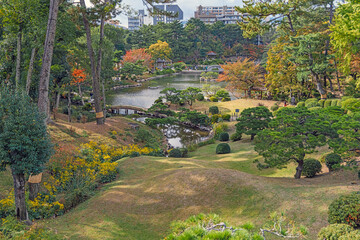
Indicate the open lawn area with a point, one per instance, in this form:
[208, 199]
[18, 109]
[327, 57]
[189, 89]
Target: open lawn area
[151, 192]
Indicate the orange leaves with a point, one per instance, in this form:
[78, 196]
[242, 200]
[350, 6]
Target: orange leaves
[78, 76]
[137, 55]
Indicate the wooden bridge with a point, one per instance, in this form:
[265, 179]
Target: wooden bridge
[135, 110]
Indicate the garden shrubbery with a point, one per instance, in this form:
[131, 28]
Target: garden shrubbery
[224, 136]
[311, 167]
[236, 136]
[214, 110]
[332, 160]
[345, 210]
[334, 231]
[175, 153]
[223, 148]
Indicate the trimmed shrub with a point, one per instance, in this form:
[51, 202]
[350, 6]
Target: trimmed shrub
[334, 103]
[200, 97]
[327, 103]
[345, 209]
[224, 136]
[223, 148]
[321, 103]
[175, 153]
[353, 235]
[219, 128]
[214, 110]
[214, 99]
[215, 118]
[311, 167]
[334, 231]
[301, 104]
[226, 117]
[311, 102]
[339, 102]
[275, 107]
[236, 137]
[315, 108]
[184, 152]
[331, 160]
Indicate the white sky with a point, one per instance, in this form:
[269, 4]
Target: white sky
[188, 6]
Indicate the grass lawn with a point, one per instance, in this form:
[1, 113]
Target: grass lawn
[153, 191]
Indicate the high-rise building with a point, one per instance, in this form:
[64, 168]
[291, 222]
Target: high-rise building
[212, 14]
[174, 9]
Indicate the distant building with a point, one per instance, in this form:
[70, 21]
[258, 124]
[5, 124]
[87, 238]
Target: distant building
[115, 23]
[175, 9]
[134, 23]
[212, 14]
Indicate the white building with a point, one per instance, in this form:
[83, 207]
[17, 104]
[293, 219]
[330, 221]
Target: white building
[212, 14]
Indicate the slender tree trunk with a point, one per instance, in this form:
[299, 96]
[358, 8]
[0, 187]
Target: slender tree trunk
[81, 96]
[95, 80]
[57, 100]
[43, 101]
[319, 86]
[34, 189]
[69, 105]
[338, 80]
[31, 68]
[104, 98]
[18, 60]
[299, 169]
[19, 189]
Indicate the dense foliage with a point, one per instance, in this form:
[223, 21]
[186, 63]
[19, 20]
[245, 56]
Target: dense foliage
[311, 167]
[345, 210]
[223, 148]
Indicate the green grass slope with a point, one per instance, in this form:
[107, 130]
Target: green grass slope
[151, 192]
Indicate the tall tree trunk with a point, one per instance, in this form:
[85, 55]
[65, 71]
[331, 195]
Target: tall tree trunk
[338, 80]
[95, 80]
[57, 99]
[299, 169]
[104, 98]
[43, 101]
[319, 86]
[19, 189]
[31, 68]
[81, 96]
[18, 60]
[69, 105]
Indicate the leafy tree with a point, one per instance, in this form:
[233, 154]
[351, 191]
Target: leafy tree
[253, 120]
[189, 95]
[160, 50]
[140, 56]
[130, 70]
[24, 143]
[292, 133]
[241, 75]
[172, 95]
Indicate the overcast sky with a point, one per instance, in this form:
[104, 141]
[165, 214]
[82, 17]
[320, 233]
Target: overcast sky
[188, 6]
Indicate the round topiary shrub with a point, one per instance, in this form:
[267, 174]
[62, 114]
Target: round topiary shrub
[223, 148]
[226, 117]
[214, 99]
[334, 231]
[301, 104]
[315, 108]
[224, 136]
[311, 167]
[214, 110]
[345, 209]
[334, 102]
[321, 103]
[327, 103]
[175, 153]
[200, 97]
[331, 160]
[236, 137]
[353, 235]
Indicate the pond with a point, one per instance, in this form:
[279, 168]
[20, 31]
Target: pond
[177, 135]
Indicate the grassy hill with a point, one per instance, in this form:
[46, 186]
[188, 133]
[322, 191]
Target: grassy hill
[151, 192]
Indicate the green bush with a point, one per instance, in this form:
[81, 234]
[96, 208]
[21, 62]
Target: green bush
[175, 153]
[331, 160]
[339, 102]
[223, 148]
[327, 103]
[236, 137]
[214, 110]
[87, 107]
[219, 128]
[334, 103]
[301, 104]
[353, 235]
[226, 117]
[224, 136]
[200, 97]
[311, 167]
[215, 118]
[321, 103]
[274, 108]
[334, 231]
[351, 104]
[315, 108]
[345, 209]
[184, 152]
[214, 99]
[311, 102]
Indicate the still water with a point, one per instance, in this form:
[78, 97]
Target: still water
[177, 135]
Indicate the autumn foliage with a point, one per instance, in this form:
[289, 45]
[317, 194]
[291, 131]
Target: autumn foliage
[78, 76]
[138, 55]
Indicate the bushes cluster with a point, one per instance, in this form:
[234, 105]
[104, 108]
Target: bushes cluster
[226, 117]
[214, 99]
[236, 137]
[224, 137]
[345, 210]
[218, 129]
[223, 148]
[165, 71]
[311, 167]
[336, 232]
[200, 97]
[332, 160]
[301, 104]
[349, 104]
[175, 153]
[214, 110]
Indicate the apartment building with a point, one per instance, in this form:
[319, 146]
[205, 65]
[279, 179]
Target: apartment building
[174, 9]
[212, 14]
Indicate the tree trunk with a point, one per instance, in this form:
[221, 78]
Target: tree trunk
[57, 100]
[104, 98]
[43, 101]
[299, 169]
[30, 70]
[19, 189]
[252, 137]
[319, 86]
[81, 96]
[69, 105]
[95, 80]
[18, 60]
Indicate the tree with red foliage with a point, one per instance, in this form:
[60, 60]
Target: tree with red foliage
[138, 56]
